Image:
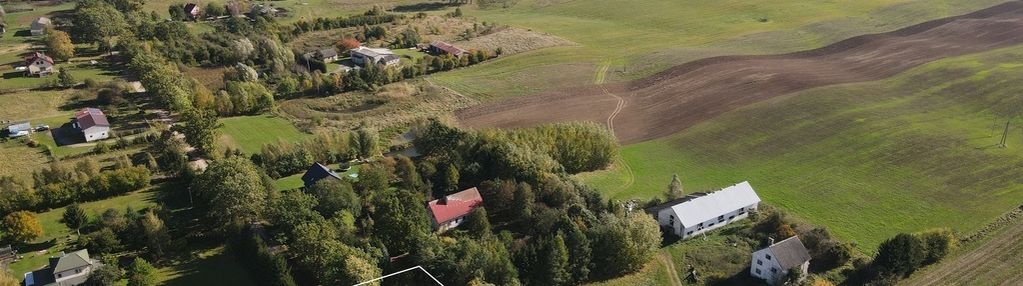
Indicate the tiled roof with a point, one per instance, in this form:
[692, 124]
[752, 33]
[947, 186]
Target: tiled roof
[90, 117]
[458, 205]
[447, 48]
[37, 55]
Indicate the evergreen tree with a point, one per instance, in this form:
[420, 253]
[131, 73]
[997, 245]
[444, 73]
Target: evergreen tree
[74, 217]
[900, 255]
[477, 223]
[553, 267]
[141, 273]
[674, 189]
[65, 78]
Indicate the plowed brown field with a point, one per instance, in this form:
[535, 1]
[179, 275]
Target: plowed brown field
[684, 95]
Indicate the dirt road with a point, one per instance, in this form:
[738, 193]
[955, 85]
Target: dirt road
[682, 96]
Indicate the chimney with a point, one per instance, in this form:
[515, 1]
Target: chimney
[442, 200]
[770, 241]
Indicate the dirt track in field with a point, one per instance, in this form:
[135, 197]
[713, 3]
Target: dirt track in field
[684, 95]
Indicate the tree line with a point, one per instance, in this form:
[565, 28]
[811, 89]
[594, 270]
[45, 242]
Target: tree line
[61, 184]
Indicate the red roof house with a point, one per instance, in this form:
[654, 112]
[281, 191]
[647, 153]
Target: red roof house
[445, 48]
[449, 212]
[92, 123]
[38, 64]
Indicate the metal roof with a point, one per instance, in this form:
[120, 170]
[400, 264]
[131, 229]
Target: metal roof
[90, 117]
[715, 204]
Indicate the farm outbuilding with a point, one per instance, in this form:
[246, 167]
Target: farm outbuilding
[696, 214]
[441, 47]
[39, 26]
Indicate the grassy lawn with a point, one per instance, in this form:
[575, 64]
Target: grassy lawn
[34, 105]
[18, 158]
[211, 266]
[867, 160]
[53, 229]
[643, 37]
[250, 133]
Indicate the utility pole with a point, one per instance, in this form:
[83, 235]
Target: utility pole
[1005, 135]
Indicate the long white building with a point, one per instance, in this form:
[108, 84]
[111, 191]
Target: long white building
[696, 214]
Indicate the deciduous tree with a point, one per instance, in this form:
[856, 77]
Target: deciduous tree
[22, 226]
[231, 190]
[59, 45]
[141, 273]
[900, 255]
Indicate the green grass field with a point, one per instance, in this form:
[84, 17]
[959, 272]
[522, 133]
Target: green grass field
[250, 133]
[867, 160]
[643, 37]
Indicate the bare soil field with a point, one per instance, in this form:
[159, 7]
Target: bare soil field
[682, 96]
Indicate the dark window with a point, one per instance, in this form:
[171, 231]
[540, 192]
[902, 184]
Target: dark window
[774, 270]
[689, 233]
[671, 220]
[710, 225]
[768, 257]
[731, 217]
[758, 271]
[760, 262]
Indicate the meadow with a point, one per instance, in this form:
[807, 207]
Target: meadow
[867, 160]
[250, 133]
[649, 36]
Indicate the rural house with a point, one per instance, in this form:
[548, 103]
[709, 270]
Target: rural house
[38, 64]
[774, 262]
[325, 55]
[192, 10]
[19, 129]
[381, 56]
[450, 211]
[39, 26]
[66, 270]
[699, 213]
[317, 172]
[92, 123]
[441, 47]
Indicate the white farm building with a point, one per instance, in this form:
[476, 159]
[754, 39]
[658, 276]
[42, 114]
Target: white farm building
[774, 262]
[699, 213]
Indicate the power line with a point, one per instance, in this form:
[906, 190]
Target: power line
[400, 272]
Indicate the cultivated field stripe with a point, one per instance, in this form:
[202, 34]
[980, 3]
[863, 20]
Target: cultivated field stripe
[685, 95]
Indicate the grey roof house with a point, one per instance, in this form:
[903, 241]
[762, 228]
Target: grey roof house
[774, 262]
[318, 172]
[69, 269]
[39, 26]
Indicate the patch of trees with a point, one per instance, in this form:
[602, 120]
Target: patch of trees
[528, 155]
[370, 18]
[266, 267]
[61, 184]
[285, 159]
[903, 254]
[114, 231]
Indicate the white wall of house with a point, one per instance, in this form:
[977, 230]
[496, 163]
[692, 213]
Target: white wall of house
[62, 277]
[666, 217]
[764, 265]
[40, 67]
[451, 224]
[96, 133]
